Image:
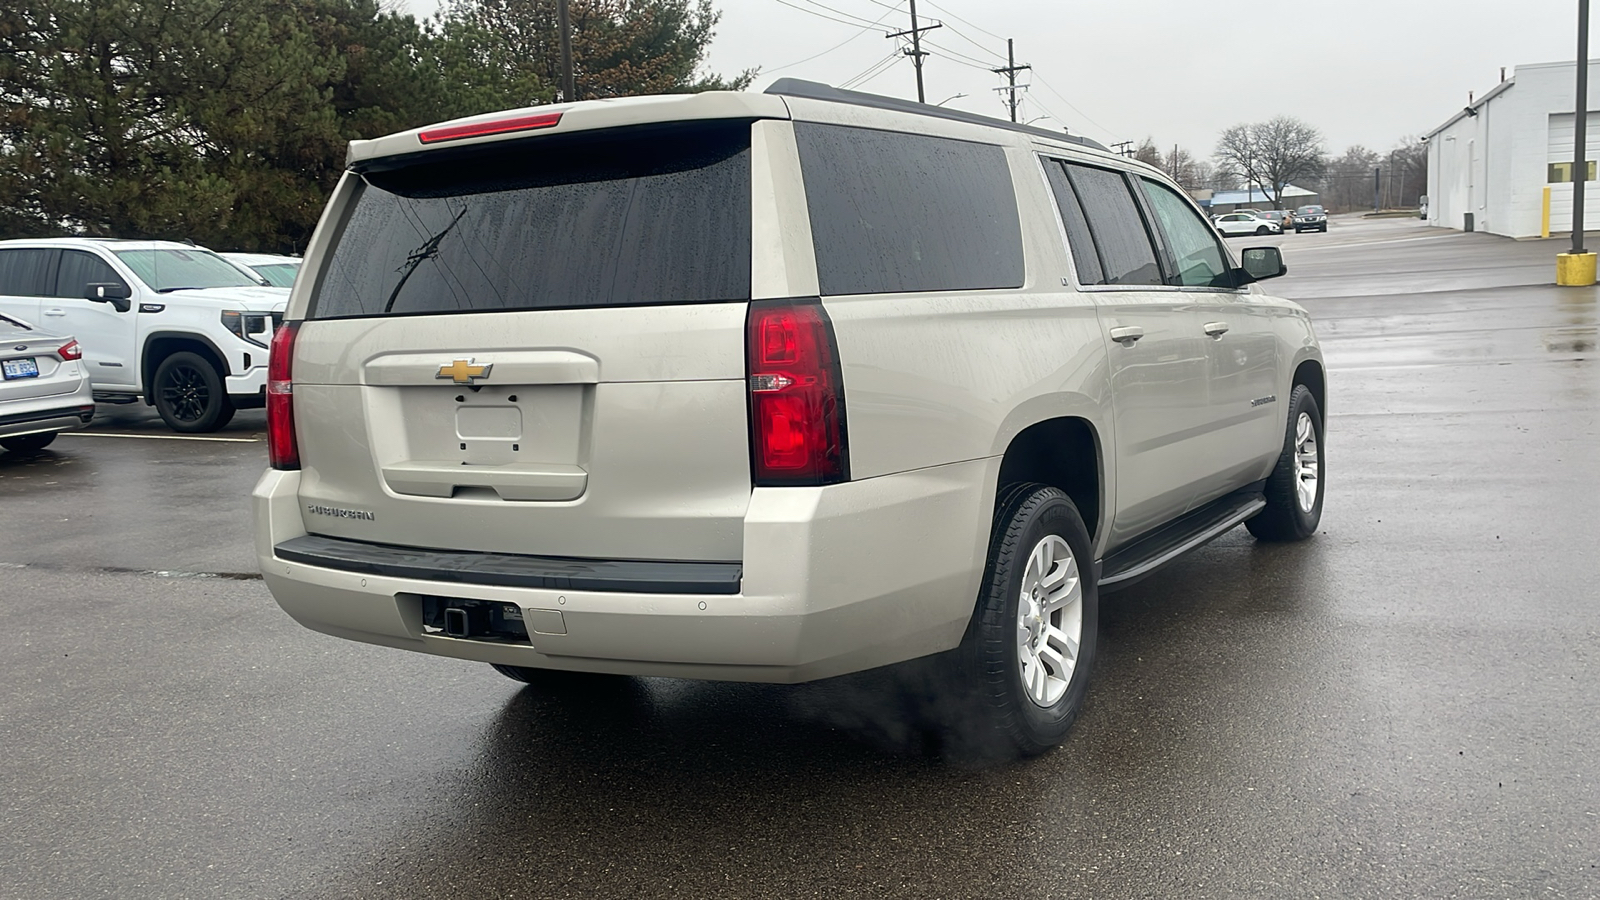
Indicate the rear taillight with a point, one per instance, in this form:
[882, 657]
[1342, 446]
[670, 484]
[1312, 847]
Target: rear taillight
[797, 420]
[70, 350]
[283, 451]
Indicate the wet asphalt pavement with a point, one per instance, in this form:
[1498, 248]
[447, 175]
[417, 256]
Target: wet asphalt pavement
[1407, 705]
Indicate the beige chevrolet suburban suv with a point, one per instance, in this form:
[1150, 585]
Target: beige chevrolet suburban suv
[771, 387]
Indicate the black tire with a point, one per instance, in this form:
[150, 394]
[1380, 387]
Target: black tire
[190, 395]
[1323, 229]
[1263, 230]
[28, 443]
[1285, 519]
[995, 718]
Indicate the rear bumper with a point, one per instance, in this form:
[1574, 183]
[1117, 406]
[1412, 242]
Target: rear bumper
[834, 579]
[57, 412]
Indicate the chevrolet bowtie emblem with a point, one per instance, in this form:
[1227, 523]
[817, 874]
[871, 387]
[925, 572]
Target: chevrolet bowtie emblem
[462, 371]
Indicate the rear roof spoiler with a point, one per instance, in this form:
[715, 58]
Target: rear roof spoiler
[811, 90]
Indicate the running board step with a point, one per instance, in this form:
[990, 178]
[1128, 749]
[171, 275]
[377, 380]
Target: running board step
[1178, 537]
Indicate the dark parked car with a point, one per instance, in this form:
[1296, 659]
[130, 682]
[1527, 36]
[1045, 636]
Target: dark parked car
[1310, 218]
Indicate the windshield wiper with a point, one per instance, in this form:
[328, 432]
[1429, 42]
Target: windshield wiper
[171, 289]
[428, 250]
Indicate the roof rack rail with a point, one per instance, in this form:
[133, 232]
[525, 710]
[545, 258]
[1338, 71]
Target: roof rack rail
[812, 90]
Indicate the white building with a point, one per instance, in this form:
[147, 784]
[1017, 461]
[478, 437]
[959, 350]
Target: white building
[1489, 164]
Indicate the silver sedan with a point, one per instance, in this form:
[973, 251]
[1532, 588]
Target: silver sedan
[44, 389]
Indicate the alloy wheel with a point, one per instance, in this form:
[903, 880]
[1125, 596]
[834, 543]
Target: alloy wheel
[1306, 464]
[185, 393]
[1049, 620]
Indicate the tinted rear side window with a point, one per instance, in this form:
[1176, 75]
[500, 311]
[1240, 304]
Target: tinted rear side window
[1085, 258]
[25, 273]
[625, 218]
[893, 212]
[1126, 254]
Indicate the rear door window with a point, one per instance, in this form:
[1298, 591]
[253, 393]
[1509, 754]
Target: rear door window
[1085, 258]
[1199, 260]
[893, 212]
[1127, 255]
[623, 218]
[80, 269]
[26, 272]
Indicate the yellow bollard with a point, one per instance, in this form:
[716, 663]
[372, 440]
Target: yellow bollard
[1575, 269]
[1544, 229]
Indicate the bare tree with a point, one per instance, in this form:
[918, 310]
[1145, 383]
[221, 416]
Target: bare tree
[1347, 181]
[1183, 169]
[1271, 154]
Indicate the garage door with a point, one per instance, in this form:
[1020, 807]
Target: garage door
[1561, 134]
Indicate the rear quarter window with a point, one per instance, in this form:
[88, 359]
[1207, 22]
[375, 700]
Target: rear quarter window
[630, 217]
[893, 212]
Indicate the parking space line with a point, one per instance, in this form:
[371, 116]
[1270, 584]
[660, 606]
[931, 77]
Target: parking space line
[162, 437]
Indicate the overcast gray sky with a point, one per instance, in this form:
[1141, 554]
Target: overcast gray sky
[1363, 71]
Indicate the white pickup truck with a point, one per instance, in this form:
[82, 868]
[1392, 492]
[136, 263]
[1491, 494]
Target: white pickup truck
[171, 324]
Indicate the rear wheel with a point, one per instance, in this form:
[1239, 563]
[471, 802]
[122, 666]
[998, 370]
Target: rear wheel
[28, 443]
[1294, 489]
[1020, 674]
[190, 395]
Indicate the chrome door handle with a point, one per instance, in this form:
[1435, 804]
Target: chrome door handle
[1127, 335]
[55, 312]
[1216, 329]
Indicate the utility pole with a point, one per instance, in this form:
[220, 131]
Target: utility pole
[569, 89]
[915, 51]
[1377, 179]
[1010, 70]
[1580, 127]
[1122, 148]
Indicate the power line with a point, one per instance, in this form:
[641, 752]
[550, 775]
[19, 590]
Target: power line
[864, 30]
[840, 12]
[872, 70]
[964, 21]
[812, 12]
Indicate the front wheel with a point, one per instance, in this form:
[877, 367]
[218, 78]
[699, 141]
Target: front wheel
[1021, 672]
[1263, 230]
[28, 443]
[190, 396]
[1294, 489]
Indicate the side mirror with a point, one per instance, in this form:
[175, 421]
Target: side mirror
[116, 294]
[1260, 263]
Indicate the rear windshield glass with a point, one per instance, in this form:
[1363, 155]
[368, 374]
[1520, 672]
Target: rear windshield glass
[624, 218]
[278, 274]
[166, 271]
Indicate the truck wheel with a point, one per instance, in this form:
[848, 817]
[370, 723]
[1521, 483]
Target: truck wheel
[190, 395]
[1020, 674]
[28, 443]
[1294, 489]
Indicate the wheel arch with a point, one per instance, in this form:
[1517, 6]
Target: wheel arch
[1309, 373]
[1063, 452]
[159, 345]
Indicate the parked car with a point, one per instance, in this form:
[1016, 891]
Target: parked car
[697, 386]
[43, 387]
[1310, 218]
[278, 271]
[1234, 224]
[1277, 217]
[172, 324]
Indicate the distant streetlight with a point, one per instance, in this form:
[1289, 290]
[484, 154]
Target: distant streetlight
[1035, 119]
[949, 98]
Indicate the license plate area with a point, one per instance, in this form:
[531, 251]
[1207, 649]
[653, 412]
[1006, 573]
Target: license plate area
[22, 367]
[476, 620]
